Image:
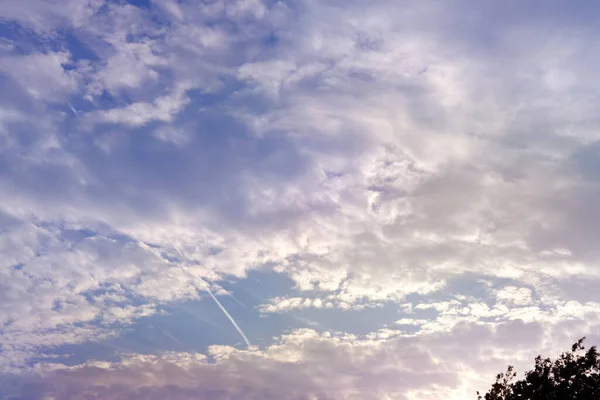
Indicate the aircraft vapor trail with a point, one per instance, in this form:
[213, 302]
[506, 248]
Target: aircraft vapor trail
[228, 316]
[73, 109]
[207, 287]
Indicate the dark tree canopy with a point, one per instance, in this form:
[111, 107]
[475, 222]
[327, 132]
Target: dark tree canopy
[574, 375]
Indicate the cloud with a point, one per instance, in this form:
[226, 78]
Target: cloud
[42, 76]
[162, 109]
[45, 16]
[304, 365]
[517, 296]
[371, 153]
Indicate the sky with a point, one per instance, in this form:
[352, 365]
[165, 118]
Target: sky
[295, 199]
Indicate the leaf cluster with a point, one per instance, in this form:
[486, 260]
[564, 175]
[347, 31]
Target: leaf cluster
[575, 375]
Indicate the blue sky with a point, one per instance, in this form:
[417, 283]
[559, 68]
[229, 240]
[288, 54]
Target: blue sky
[387, 200]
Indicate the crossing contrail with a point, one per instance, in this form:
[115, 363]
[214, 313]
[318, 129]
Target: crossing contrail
[242, 334]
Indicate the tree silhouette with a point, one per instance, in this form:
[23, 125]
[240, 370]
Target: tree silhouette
[575, 375]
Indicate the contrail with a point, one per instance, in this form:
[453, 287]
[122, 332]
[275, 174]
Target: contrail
[73, 109]
[240, 331]
[236, 300]
[228, 316]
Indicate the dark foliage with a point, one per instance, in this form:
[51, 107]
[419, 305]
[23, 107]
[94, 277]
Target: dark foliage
[574, 375]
